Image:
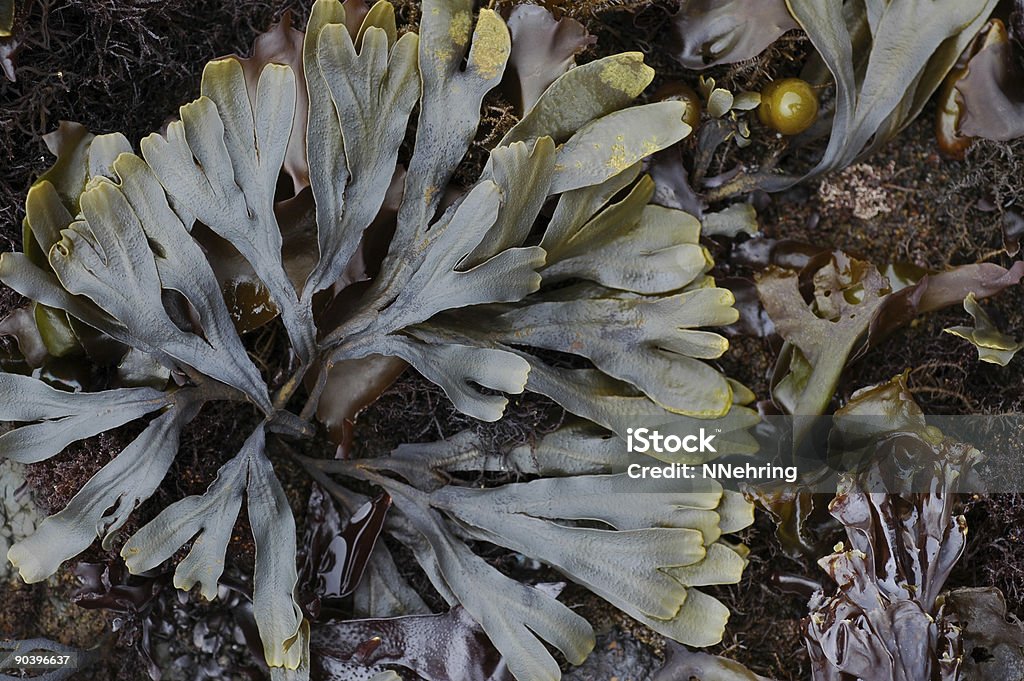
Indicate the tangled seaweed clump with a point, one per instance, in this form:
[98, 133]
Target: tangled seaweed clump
[354, 343]
[152, 264]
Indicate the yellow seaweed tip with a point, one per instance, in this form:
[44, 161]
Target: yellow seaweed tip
[627, 73]
[491, 46]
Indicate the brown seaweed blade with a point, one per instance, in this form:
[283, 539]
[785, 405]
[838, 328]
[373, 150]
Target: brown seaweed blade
[886, 620]
[711, 32]
[543, 48]
[446, 647]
